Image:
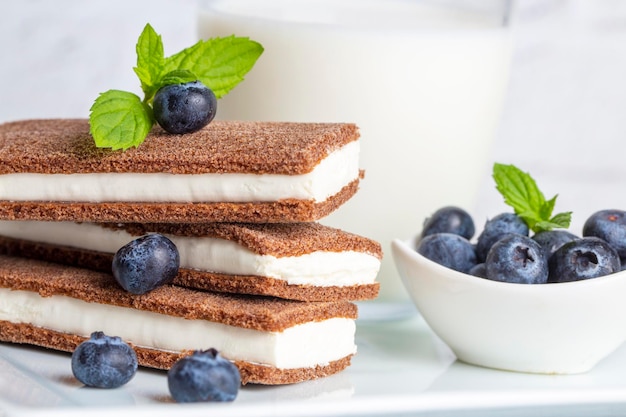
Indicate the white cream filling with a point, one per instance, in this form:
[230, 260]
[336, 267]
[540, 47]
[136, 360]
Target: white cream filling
[319, 268]
[300, 346]
[327, 178]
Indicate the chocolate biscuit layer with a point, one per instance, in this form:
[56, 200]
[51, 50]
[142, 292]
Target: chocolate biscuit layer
[282, 211]
[64, 146]
[279, 240]
[237, 284]
[251, 373]
[258, 313]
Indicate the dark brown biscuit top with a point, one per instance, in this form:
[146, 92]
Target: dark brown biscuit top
[277, 239]
[258, 313]
[66, 146]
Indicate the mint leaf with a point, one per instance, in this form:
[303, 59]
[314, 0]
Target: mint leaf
[521, 192]
[119, 120]
[179, 76]
[562, 220]
[219, 63]
[547, 207]
[518, 189]
[150, 58]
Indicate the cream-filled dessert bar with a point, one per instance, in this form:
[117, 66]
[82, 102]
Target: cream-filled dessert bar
[272, 341]
[298, 261]
[227, 172]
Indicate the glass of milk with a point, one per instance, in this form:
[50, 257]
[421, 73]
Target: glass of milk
[423, 80]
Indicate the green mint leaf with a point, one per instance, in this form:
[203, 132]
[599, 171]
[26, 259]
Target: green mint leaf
[219, 63]
[548, 225]
[521, 192]
[150, 58]
[179, 76]
[547, 207]
[531, 219]
[119, 120]
[562, 220]
[518, 189]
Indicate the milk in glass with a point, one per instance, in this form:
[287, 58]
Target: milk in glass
[423, 80]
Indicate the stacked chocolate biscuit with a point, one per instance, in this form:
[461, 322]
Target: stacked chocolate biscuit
[259, 279]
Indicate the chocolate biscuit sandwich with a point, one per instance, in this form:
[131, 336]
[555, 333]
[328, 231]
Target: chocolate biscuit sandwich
[259, 172]
[298, 261]
[271, 341]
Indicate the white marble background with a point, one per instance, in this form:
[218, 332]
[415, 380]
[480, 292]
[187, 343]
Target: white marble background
[564, 118]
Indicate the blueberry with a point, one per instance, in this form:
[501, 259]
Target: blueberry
[551, 240]
[146, 263]
[104, 362]
[478, 270]
[203, 376]
[518, 259]
[496, 228]
[184, 108]
[585, 258]
[449, 220]
[610, 226]
[450, 250]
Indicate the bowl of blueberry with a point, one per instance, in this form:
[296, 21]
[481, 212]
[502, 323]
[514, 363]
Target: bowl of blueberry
[524, 293]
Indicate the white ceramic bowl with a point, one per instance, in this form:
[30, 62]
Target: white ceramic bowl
[544, 328]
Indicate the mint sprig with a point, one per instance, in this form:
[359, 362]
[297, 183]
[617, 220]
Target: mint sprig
[121, 120]
[521, 192]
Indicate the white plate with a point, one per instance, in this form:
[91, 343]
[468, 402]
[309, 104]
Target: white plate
[401, 369]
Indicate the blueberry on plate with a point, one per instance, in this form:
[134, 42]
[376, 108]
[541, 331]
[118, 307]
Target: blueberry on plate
[449, 219]
[585, 258]
[551, 240]
[518, 259]
[104, 362]
[184, 108]
[610, 226]
[496, 228]
[203, 376]
[450, 250]
[146, 263]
